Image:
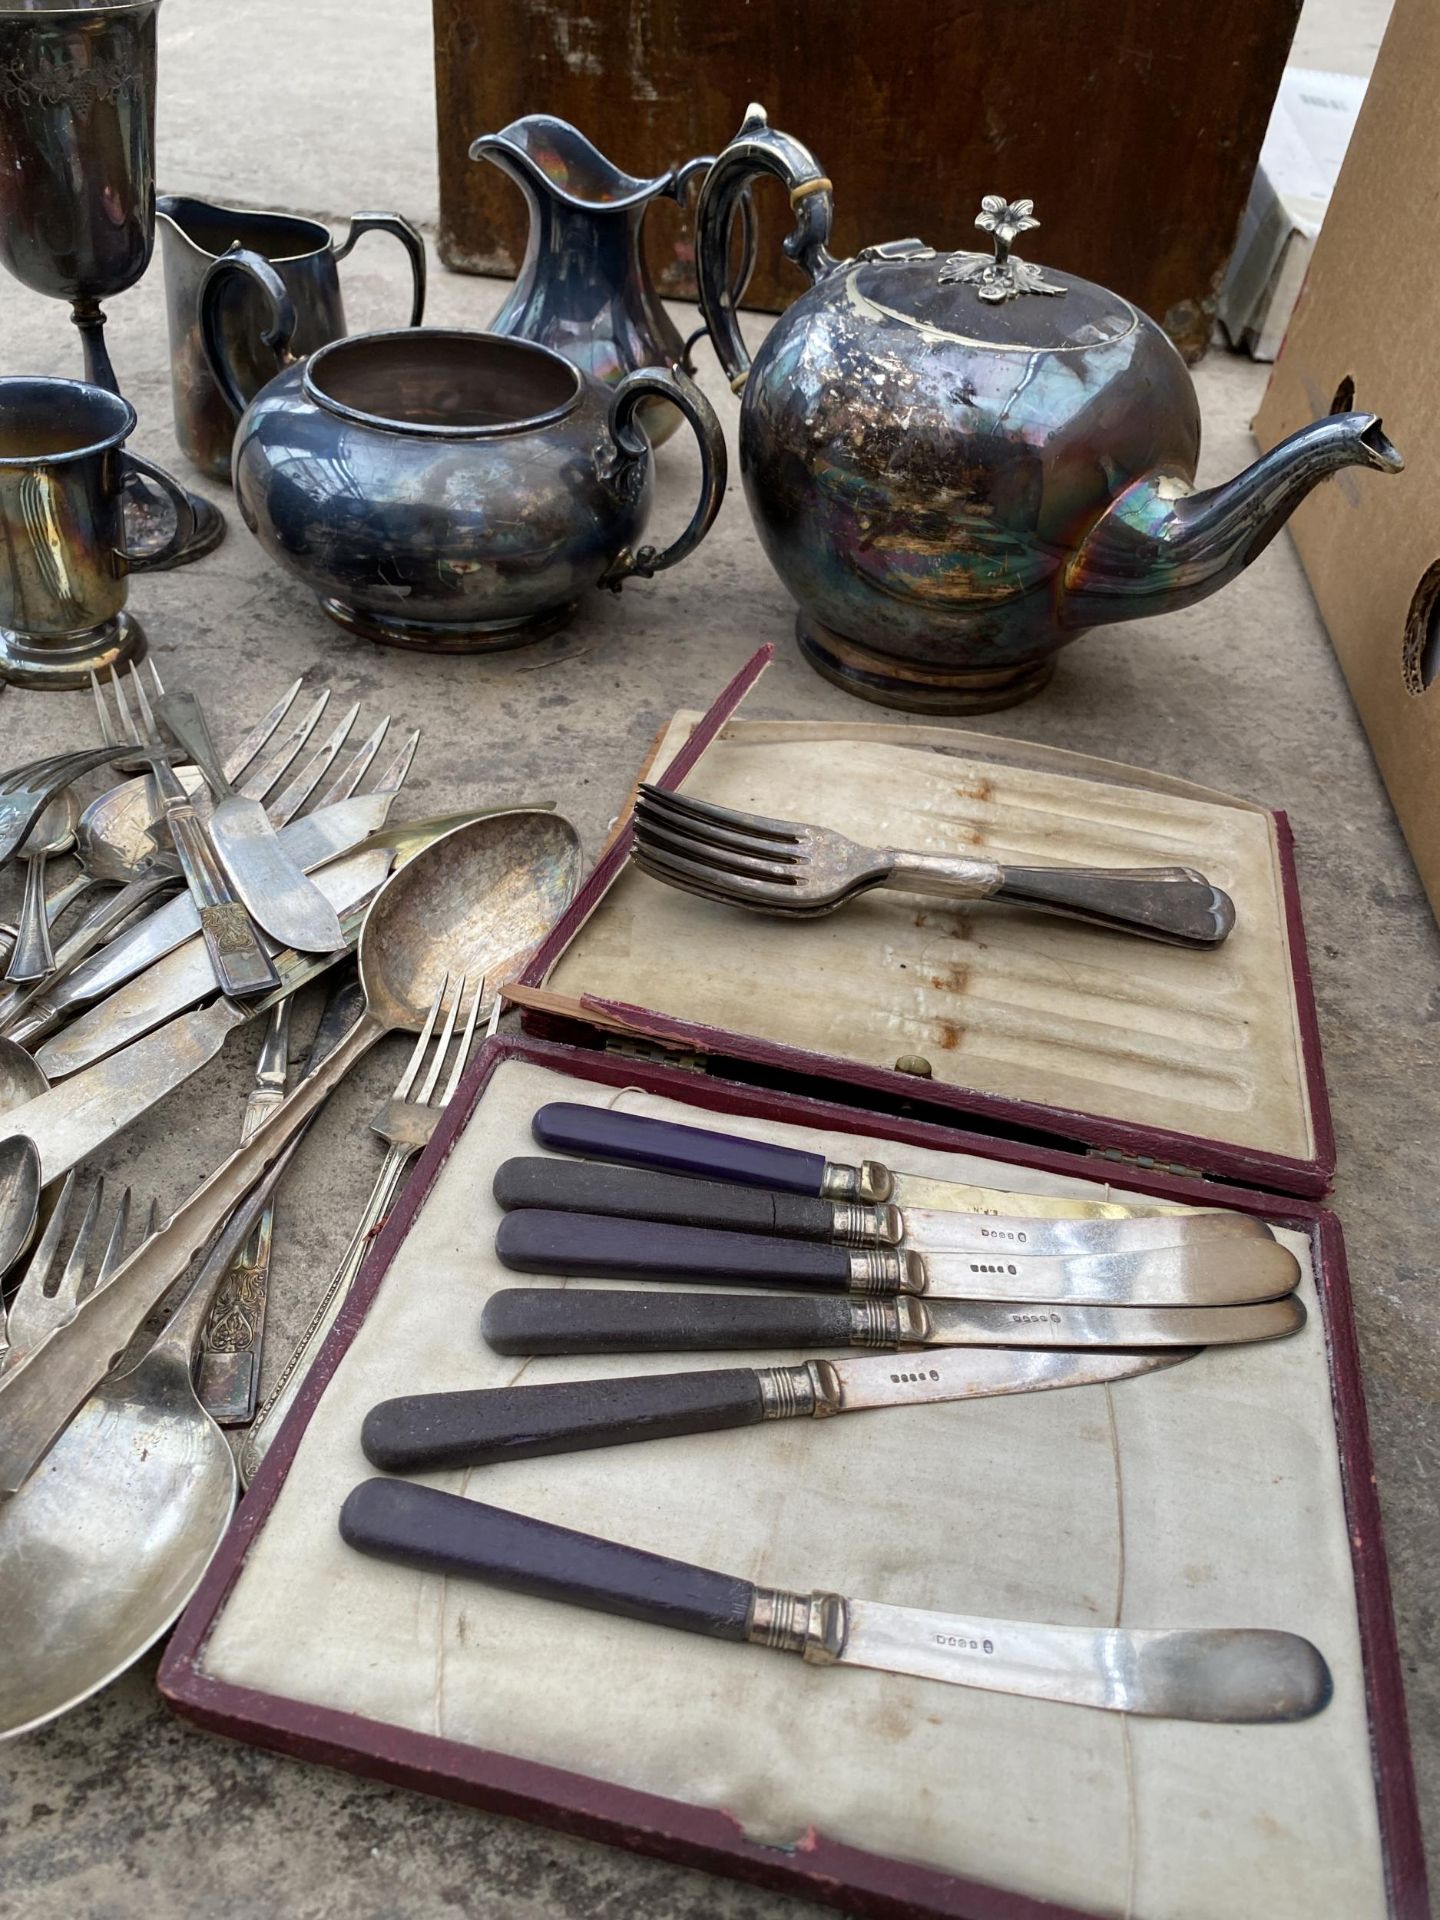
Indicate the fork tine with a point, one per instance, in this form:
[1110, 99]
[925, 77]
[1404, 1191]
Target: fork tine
[37, 1274]
[127, 718]
[663, 865]
[107, 737]
[115, 1246]
[152, 1217]
[154, 675]
[258, 738]
[356, 767]
[412, 1066]
[466, 1039]
[287, 804]
[72, 1274]
[747, 854]
[765, 900]
[723, 859]
[395, 775]
[437, 1057]
[263, 778]
[757, 824]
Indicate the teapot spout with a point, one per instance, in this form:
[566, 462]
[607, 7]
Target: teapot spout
[1160, 545]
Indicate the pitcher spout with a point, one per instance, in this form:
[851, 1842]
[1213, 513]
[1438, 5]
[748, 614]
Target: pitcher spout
[1161, 545]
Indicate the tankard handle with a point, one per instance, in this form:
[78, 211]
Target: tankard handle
[756, 149]
[278, 335]
[661, 384]
[409, 238]
[184, 519]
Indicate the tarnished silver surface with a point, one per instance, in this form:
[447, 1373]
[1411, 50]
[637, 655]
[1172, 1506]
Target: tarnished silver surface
[273, 888]
[1211, 1274]
[19, 1200]
[479, 900]
[405, 1123]
[47, 1299]
[795, 870]
[810, 1624]
[944, 1230]
[1241, 1674]
[817, 1389]
[32, 957]
[184, 978]
[1005, 276]
[20, 1079]
[952, 1323]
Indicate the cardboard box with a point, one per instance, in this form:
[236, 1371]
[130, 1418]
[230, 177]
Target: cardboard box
[1364, 335]
[1300, 162]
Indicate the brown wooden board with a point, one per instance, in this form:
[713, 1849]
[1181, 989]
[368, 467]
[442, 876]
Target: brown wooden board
[1135, 125]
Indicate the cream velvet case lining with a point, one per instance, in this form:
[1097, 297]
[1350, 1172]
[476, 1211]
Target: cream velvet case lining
[1206, 1495]
[1020, 1005]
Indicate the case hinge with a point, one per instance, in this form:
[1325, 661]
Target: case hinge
[1149, 1161]
[654, 1054]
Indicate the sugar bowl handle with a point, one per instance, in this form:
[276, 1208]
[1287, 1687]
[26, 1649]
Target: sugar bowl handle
[660, 383]
[277, 335]
[409, 238]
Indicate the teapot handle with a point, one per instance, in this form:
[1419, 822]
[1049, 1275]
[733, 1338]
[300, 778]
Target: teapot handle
[278, 334]
[756, 149]
[633, 444]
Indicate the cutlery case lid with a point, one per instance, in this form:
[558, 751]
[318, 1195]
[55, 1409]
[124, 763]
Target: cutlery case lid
[1205, 1063]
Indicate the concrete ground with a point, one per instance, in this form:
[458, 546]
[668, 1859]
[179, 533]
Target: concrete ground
[119, 1811]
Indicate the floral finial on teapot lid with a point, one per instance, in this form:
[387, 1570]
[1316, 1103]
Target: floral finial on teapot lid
[1005, 277]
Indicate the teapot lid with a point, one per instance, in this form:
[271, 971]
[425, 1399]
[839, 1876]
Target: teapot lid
[995, 300]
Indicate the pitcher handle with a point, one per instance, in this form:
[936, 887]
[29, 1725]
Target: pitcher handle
[184, 519]
[409, 237]
[631, 439]
[755, 150]
[278, 334]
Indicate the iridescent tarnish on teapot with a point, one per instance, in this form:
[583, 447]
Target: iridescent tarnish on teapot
[957, 462]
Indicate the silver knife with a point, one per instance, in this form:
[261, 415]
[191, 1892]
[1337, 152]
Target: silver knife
[183, 978]
[319, 837]
[535, 1320]
[268, 880]
[1212, 1273]
[432, 1432]
[1236, 1674]
[638, 1193]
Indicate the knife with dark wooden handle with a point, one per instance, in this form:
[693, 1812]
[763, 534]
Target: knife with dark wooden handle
[1187, 1673]
[532, 1320]
[605, 1247]
[428, 1432]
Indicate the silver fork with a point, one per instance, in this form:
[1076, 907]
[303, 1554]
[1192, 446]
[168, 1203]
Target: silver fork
[238, 959]
[42, 1306]
[794, 870]
[405, 1122]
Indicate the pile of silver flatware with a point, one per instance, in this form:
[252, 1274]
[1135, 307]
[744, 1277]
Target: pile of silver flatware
[799, 872]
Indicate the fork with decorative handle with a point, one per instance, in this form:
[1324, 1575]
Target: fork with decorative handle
[788, 868]
[405, 1123]
[288, 905]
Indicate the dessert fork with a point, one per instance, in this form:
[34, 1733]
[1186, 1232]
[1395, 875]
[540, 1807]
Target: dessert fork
[788, 868]
[405, 1122]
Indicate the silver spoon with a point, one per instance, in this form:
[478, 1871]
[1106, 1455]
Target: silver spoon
[20, 1078]
[54, 832]
[19, 1201]
[477, 901]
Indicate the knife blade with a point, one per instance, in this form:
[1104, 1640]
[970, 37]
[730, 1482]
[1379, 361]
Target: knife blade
[268, 880]
[599, 1247]
[429, 1432]
[634, 1140]
[74, 1119]
[551, 1320]
[319, 837]
[636, 1193]
[184, 977]
[1232, 1674]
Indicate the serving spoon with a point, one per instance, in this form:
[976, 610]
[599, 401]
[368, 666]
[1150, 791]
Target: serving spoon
[477, 901]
